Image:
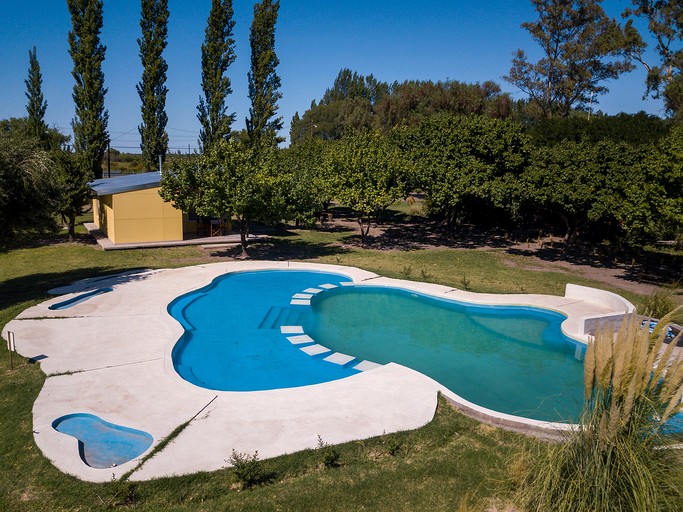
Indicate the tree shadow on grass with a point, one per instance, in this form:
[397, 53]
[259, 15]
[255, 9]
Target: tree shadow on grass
[36, 286]
[277, 249]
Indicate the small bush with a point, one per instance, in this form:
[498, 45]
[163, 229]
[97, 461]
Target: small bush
[658, 304]
[248, 469]
[328, 455]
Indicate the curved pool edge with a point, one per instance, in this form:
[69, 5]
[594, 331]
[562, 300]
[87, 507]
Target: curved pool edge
[110, 374]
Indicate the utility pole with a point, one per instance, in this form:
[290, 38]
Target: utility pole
[108, 158]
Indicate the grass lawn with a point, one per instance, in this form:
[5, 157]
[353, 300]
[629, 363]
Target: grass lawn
[453, 463]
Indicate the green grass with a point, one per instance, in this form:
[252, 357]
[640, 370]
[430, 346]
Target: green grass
[449, 463]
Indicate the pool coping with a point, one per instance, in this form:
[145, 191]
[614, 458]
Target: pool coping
[124, 374]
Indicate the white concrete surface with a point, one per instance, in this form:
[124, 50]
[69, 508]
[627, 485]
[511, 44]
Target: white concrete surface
[111, 356]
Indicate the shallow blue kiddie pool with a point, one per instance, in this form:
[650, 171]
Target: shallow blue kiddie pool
[102, 444]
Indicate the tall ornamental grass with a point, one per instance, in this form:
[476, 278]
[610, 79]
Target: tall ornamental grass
[617, 458]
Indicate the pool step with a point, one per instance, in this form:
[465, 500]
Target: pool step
[278, 316]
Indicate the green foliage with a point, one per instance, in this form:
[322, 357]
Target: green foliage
[664, 167]
[28, 189]
[307, 187]
[90, 124]
[152, 88]
[637, 129]
[72, 180]
[36, 106]
[369, 173]
[350, 85]
[20, 128]
[232, 179]
[218, 53]
[412, 101]
[329, 456]
[665, 23]
[577, 39]
[463, 161]
[356, 104]
[658, 304]
[248, 469]
[264, 83]
[614, 460]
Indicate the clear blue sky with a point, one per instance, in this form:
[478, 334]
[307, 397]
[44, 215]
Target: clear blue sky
[465, 40]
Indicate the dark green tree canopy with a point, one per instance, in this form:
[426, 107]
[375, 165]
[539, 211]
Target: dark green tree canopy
[218, 53]
[36, 106]
[350, 85]
[357, 103]
[264, 83]
[29, 194]
[582, 49]
[90, 124]
[152, 88]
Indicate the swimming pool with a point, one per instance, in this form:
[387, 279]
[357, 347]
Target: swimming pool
[232, 339]
[513, 360]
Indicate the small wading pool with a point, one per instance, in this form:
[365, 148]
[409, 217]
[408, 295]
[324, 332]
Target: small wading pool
[513, 360]
[102, 444]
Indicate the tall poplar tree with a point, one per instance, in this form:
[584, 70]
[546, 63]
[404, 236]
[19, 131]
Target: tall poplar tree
[90, 123]
[152, 89]
[36, 106]
[218, 53]
[262, 125]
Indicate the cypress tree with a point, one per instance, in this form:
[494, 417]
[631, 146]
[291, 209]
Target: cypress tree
[218, 53]
[152, 89]
[262, 126]
[36, 106]
[90, 123]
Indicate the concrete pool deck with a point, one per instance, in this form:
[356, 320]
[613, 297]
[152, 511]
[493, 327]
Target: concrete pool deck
[111, 356]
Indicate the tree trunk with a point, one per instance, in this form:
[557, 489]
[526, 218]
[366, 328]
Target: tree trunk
[364, 230]
[72, 227]
[244, 235]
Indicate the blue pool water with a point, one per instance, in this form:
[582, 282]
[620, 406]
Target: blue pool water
[509, 359]
[232, 339]
[102, 444]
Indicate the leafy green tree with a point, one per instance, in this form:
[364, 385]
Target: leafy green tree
[350, 85]
[21, 127]
[412, 101]
[357, 103]
[28, 188]
[72, 179]
[90, 124]
[369, 174]
[152, 88]
[465, 160]
[664, 174]
[232, 179]
[307, 187]
[218, 53]
[264, 83]
[665, 23]
[638, 129]
[36, 106]
[594, 188]
[582, 49]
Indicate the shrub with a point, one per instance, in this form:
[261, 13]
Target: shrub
[616, 458]
[328, 455]
[248, 469]
[659, 303]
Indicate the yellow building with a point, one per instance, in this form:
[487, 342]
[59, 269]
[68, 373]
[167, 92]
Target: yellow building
[129, 210]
